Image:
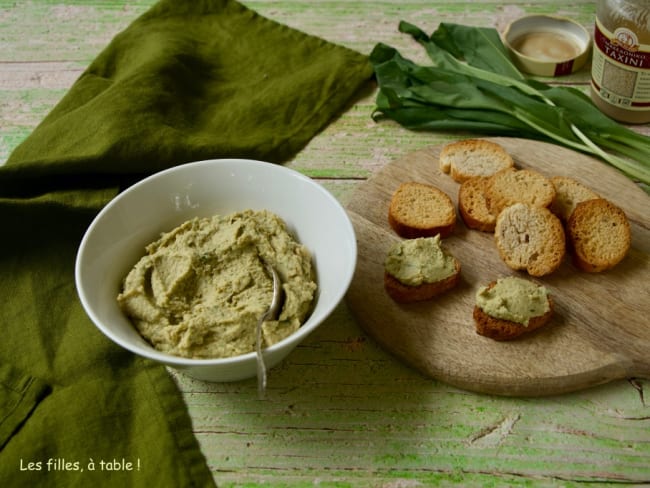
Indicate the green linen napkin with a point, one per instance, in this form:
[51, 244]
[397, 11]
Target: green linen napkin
[187, 80]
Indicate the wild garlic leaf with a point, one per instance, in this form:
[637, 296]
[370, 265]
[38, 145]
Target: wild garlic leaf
[478, 46]
[473, 86]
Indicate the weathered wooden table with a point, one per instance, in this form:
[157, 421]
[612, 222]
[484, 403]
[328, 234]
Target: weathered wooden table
[340, 411]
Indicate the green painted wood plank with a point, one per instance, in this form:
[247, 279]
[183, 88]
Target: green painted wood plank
[339, 396]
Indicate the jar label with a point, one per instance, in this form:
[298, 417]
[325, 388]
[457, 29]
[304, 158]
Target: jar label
[620, 70]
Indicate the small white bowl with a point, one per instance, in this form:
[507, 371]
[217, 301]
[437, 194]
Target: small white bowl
[547, 45]
[116, 238]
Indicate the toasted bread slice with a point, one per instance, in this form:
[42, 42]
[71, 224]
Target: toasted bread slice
[599, 235]
[530, 238]
[506, 330]
[402, 293]
[511, 186]
[421, 210]
[473, 157]
[419, 269]
[472, 205]
[569, 193]
[501, 329]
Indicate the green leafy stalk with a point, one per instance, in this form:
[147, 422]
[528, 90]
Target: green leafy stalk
[474, 86]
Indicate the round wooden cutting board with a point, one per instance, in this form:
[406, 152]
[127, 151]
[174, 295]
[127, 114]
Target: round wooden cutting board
[601, 326]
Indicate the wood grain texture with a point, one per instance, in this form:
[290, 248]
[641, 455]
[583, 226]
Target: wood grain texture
[342, 412]
[599, 331]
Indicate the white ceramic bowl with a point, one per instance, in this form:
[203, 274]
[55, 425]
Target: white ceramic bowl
[547, 45]
[116, 238]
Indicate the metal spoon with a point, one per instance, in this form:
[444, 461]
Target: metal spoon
[270, 314]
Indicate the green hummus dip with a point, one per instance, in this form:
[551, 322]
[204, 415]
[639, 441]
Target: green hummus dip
[414, 262]
[513, 299]
[200, 289]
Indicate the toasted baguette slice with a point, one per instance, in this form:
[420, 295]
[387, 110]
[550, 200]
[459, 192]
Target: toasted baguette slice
[421, 210]
[501, 329]
[518, 186]
[402, 293]
[472, 205]
[568, 194]
[599, 235]
[473, 157]
[506, 330]
[530, 238]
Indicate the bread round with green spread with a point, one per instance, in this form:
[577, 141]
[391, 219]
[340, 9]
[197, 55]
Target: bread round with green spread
[501, 329]
[402, 293]
[506, 330]
[419, 269]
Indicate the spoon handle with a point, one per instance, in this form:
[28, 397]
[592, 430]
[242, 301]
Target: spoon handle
[270, 313]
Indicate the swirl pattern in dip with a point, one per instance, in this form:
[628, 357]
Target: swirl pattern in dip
[200, 289]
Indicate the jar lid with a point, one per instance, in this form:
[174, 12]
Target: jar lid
[547, 45]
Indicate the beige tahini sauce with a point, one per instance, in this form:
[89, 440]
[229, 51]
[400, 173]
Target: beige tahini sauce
[546, 46]
[200, 289]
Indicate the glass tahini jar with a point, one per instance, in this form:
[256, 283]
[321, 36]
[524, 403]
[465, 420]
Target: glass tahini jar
[620, 73]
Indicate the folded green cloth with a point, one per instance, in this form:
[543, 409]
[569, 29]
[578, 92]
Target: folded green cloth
[188, 80]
